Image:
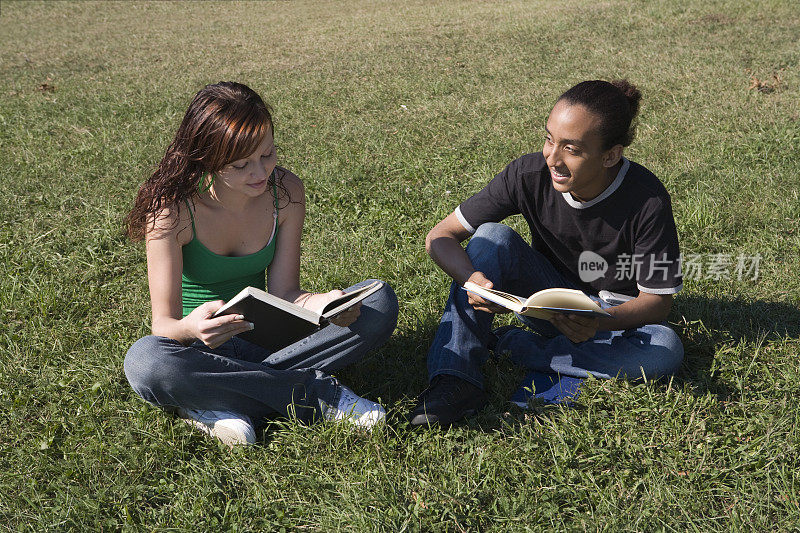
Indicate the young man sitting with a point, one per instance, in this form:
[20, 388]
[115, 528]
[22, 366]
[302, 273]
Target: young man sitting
[586, 205]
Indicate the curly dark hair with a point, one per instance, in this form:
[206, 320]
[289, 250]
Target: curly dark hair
[225, 122]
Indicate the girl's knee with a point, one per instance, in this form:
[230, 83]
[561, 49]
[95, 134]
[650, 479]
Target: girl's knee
[146, 365]
[385, 300]
[380, 312]
[138, 360]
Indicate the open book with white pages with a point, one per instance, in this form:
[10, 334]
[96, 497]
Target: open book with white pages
[279, 323]
[542, 304]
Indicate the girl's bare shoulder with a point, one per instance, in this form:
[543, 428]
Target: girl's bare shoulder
[291, 184]
[172, 221]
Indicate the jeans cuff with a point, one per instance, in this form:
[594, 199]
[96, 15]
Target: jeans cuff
[334, 399]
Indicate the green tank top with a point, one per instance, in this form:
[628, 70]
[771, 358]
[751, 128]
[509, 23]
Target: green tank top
[208, 276]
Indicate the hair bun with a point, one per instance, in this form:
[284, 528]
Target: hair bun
[616, 103]
[631, 93]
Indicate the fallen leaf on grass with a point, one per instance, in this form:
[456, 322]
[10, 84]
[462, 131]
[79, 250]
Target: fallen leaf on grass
[418, 500]
[46, 88]
[766, 86]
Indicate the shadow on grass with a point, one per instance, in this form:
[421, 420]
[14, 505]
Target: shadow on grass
[741, 320]
[708, 324]
[392, 374]
[705, 325]
[397, 372]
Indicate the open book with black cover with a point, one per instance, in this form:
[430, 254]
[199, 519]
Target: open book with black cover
[279, 323]
[542, 304]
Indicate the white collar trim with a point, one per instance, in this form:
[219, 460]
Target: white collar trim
[605, 194]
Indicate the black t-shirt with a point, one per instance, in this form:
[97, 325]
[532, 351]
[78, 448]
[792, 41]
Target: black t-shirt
[623, 241]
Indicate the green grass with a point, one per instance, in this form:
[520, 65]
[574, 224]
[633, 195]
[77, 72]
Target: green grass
[392, 113]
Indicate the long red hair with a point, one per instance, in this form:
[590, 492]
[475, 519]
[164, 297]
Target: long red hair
[225, 122]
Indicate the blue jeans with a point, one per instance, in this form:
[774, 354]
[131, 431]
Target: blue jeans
[462, 341]
[244, 378]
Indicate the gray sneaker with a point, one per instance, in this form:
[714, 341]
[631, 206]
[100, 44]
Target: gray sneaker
[356, 410]
[230, 428]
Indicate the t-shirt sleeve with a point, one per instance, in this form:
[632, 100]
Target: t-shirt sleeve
[656, 250]
[494, 202]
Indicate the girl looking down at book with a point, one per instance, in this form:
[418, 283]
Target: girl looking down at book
[216, 216]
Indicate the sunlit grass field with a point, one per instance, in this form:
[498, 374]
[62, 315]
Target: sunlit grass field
[392, 113]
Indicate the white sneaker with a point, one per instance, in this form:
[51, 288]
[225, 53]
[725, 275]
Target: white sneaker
[356, 410]
[231, 428]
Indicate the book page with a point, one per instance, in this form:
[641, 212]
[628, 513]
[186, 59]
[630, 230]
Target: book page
[348, 300]
[564, 300]
[507, 300]
[277, 322]
[268, 299]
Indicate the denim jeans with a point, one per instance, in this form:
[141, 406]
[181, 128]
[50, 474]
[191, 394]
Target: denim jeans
[244, 378]
[462, 341]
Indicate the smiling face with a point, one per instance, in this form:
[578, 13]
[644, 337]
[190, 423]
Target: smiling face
[573, 151]
[250, 174]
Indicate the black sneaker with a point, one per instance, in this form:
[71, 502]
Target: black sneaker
[447, 400]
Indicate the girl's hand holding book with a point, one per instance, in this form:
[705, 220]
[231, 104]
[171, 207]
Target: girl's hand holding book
[346, 317]
[215, 331]
[317, 302]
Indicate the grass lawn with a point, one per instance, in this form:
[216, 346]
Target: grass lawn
[392, 113]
